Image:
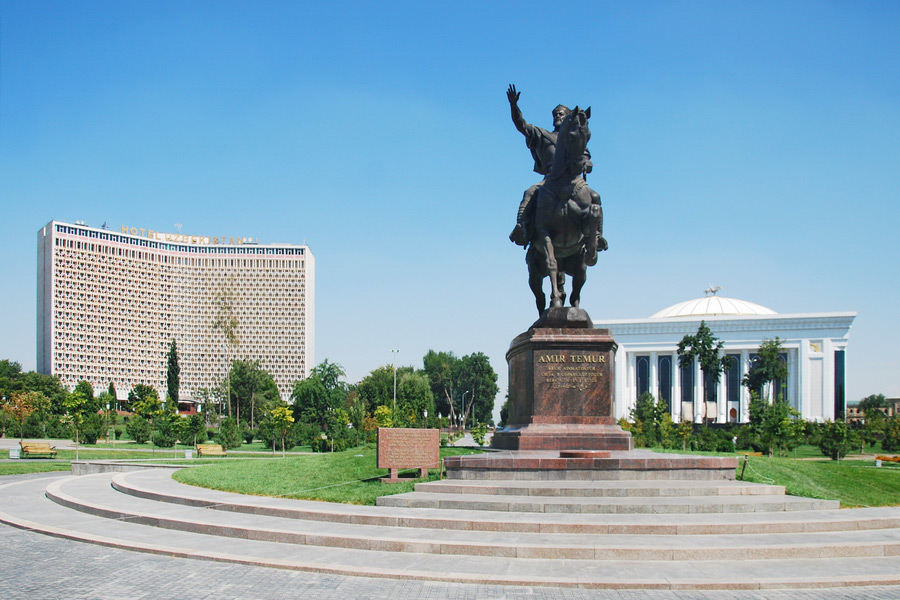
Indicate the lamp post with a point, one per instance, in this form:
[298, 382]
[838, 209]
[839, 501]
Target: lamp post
[394, 368]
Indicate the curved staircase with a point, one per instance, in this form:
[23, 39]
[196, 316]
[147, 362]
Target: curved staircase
[666, 534]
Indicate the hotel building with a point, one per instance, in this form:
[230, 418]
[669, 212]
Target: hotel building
[814, 349]
[111, 302]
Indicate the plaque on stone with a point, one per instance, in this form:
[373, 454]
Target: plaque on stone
[401, 448]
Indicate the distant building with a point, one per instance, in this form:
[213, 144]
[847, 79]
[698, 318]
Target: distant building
[855, 414]
[111, 302]
[815, 351]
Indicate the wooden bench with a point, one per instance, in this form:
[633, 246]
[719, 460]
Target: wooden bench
[37, 450]
[210, 450]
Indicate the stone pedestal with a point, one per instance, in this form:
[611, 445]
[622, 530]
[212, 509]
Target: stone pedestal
[561, 387]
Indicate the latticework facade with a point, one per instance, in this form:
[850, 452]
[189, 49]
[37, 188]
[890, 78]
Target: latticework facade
[109, 305]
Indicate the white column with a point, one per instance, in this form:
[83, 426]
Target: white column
[803, 397]
[699, 402]
[828, 383]
[721, 397]
[744, 397]
[654, 375]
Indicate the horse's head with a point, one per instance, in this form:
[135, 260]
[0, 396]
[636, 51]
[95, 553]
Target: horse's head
[571, 142]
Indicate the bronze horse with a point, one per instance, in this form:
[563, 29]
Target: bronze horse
[568, 219]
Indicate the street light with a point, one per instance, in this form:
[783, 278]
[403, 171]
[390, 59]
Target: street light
[394, 367]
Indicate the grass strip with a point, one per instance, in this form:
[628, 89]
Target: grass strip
[350, 476]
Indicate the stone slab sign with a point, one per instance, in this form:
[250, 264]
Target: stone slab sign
[400, 448]
[561, 382]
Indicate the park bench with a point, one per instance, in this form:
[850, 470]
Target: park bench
[37, 449]
[210, 450]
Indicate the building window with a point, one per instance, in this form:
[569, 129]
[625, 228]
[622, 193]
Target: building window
[687, 382]
[733, 378]
[664, 379]
[839, 383]
[642, 375]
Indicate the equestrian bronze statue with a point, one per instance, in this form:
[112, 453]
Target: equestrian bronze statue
[560, 219]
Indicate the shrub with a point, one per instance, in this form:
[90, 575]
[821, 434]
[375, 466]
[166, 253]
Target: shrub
[91, 429]
[138, 429]
[229, 434]
[479, 432]
[165, 433]
[836, 439]
[249, 435]
[891, 441]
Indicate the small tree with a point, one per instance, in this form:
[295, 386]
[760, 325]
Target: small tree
[75, 404]
[20, 406]
[766, 368]
[281, 418]
[229, 433]
[138, 429]
[891, 441]
[774, 423]
[144, 401]
[165, 432]
[706, 348]
[479, 431]
[836, 441]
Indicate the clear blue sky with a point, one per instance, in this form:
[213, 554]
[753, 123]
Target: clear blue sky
[752, 145]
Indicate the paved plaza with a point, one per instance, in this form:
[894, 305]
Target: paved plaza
[36, 566]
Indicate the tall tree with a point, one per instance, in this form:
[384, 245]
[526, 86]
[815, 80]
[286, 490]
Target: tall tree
[252, 389]
[872, 401]
[111, 391]
[49, 386]
[765, 369]
[173, 373]
[377, 388]
[475, 375]
[441, 368]
[414, 398]
[320, 394]
[706, 349]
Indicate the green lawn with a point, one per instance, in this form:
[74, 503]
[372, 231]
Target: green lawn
[349, 476]
[854, 482]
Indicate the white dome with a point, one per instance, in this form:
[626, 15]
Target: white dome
[712, 305]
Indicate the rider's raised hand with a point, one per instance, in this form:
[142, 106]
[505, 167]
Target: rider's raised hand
[512, 95]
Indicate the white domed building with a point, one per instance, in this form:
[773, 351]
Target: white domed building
[814, 349]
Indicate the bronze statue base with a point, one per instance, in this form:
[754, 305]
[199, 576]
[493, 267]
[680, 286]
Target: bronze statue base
[561, 376]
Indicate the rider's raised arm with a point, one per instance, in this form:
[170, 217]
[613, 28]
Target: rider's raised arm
[513, 96]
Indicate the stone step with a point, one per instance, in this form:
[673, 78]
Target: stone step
[542, 465]
[85, 495]
[158, 485]
[601, 504]
[606, 488]
[23, 505]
